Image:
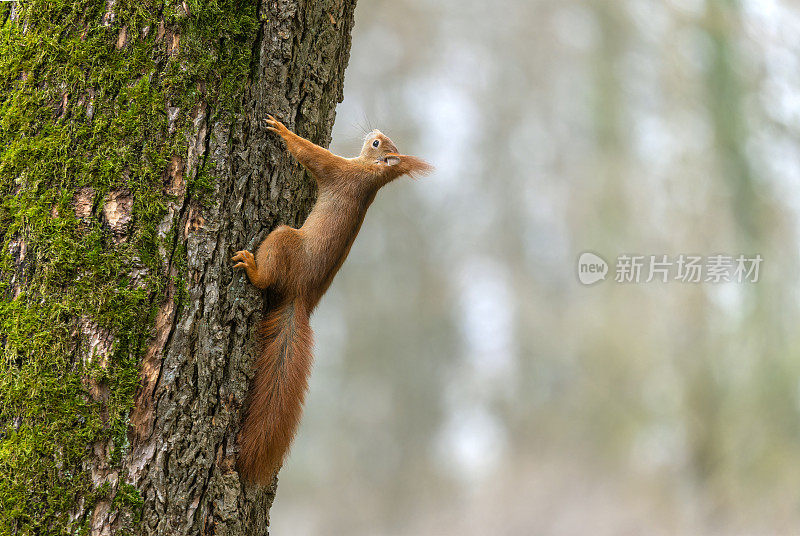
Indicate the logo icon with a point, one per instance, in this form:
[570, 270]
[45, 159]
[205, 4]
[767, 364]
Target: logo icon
[591, 268]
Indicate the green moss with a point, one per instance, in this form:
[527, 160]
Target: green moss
[113, 133]
[128, 497]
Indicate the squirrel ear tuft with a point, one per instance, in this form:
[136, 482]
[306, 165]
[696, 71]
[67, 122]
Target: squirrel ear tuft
[407, 164]
[416, 166]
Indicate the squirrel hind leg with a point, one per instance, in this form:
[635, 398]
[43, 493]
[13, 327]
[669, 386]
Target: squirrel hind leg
[257, 272]
[273, 258]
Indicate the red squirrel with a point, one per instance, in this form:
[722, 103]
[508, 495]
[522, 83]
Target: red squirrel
[299, 265]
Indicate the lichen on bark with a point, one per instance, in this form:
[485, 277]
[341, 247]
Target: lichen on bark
[132, 161]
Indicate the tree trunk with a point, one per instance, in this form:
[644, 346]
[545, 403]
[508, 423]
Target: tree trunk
[133, 163]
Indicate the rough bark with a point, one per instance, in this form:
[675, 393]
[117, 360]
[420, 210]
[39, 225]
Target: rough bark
[162, 380]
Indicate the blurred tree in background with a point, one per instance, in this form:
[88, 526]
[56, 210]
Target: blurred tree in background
[466, 382]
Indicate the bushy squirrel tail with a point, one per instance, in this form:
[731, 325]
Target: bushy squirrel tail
[277, 392]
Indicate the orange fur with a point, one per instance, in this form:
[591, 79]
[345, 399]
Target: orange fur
[299, 265]
[276, 396]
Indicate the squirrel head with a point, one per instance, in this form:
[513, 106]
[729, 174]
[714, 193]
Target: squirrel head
[378, 148]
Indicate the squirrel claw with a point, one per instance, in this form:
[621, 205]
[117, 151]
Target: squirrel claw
[244, 258]
[274, 125]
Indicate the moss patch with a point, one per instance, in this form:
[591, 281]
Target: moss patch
[84, 100]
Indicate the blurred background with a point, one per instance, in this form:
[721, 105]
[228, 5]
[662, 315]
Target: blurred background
[465, 381]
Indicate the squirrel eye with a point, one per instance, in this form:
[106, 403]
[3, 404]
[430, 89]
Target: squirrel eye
[376, 143]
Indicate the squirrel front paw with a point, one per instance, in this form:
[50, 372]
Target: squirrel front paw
[276, 126]
[244, 259]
